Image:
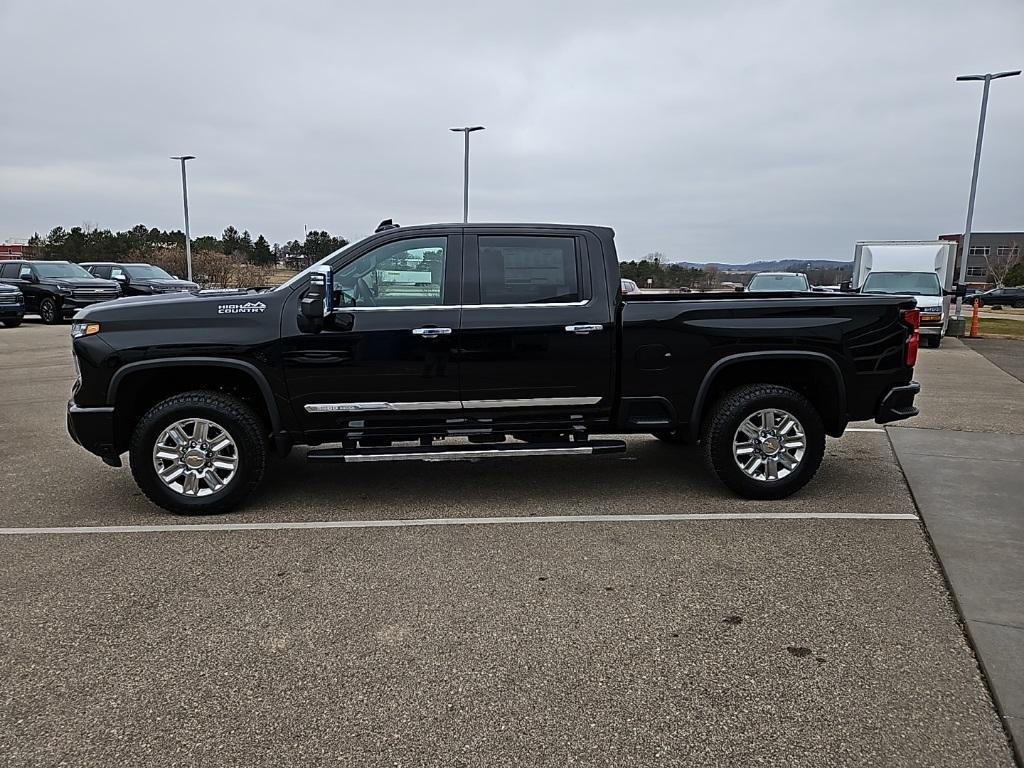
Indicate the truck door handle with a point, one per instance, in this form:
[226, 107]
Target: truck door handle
[583, 329]
[431, 332]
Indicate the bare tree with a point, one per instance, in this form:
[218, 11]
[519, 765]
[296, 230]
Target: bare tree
[1000, 263]
[712, 277]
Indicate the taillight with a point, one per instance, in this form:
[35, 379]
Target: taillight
[912, 318]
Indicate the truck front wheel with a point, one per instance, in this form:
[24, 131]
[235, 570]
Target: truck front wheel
[49, 312]
[199, 452]
[764, 441]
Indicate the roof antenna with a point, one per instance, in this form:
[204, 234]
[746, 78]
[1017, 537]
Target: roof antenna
[385, 225]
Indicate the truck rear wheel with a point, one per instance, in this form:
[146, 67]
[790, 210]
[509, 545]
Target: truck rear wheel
[764, 441]
[199, 452]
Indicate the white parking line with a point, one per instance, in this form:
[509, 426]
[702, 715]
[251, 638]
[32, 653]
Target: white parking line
[299, 525]
[864, 429]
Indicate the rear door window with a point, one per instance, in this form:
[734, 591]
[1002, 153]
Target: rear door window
[528, 270]
[9, 271]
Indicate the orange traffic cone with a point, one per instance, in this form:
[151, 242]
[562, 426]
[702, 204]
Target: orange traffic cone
[974, 321]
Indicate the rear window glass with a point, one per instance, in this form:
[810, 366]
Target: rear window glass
[528, 270]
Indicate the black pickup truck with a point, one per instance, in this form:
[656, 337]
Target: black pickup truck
[470, 341]
[56, 289]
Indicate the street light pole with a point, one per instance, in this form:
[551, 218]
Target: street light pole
[987, 79]
[465, 171]
[184, 198]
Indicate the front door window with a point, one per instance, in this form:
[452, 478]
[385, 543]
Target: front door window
[404, 273]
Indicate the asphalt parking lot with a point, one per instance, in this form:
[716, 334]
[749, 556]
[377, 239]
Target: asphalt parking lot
[803, 642]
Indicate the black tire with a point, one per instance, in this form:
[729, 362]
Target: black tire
[673, 436]
[932, 342]
[49, 311]
[12, 323]
[241, 423]
[724, 420]
[1018, 304]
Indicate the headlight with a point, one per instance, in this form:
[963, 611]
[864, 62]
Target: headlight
[63, 288]
[78, 330]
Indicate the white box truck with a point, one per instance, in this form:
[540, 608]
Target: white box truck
[919, 268]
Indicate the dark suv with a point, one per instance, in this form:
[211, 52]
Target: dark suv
[139, 279]
[12, 305]
[1006, 297]
[56, 289]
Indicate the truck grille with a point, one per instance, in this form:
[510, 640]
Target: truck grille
[10, 298]
[94, 294]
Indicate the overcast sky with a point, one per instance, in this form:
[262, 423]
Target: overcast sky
[709, 131]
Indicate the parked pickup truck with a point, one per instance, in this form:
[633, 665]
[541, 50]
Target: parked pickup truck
[474, 341]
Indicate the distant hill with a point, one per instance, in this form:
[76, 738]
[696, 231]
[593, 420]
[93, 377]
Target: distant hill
[780, 265]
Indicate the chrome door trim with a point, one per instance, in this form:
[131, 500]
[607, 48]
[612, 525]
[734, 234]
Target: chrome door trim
[530, 402]
[398, 308]
[538, 305]
[448, 405]
[434, 405]
[404, 308]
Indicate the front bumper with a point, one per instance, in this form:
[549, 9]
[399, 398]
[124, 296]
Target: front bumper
[93, 429]
[69, 306]
[898, 403]
[7, 311]
[932, 329]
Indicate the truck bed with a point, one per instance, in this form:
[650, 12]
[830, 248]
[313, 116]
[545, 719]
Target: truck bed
[669, 342]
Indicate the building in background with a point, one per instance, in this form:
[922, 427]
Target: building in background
[985, 246]
[15, 249]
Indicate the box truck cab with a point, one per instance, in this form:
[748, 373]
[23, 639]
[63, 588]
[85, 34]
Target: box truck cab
[919, 268]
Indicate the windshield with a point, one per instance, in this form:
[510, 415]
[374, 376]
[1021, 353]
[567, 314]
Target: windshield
[296, 278]
[56, 269]
[778, 283]
[146, 271]
[903, 283]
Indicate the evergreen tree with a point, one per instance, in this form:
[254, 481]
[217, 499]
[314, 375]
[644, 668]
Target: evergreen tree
[230, 241]
[261, 253]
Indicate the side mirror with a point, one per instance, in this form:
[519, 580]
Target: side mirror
[846, 286]
[316, 304]
[739, 289]
[122, 278]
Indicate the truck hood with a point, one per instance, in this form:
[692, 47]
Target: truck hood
[169, 282]
[180, 304]
[922, 301]
[928, 301]
[83, 282]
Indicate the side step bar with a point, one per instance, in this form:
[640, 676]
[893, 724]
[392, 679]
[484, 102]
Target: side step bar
[462, 452]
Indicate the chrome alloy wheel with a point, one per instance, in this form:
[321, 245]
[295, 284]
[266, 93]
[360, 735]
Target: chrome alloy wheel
[769, 445]
[195, 457]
